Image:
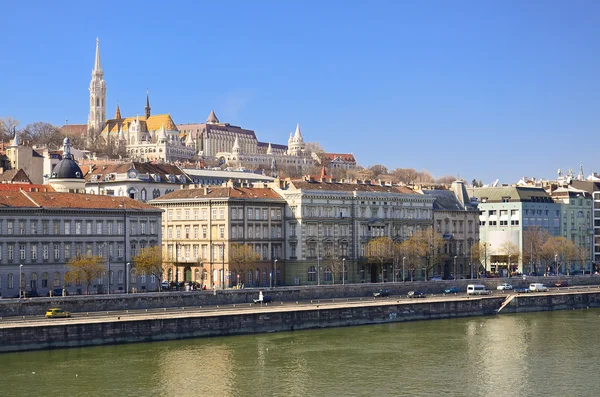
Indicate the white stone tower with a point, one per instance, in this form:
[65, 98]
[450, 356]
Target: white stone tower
[97, 117]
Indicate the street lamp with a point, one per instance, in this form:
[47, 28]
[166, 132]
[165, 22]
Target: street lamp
[403, 277]
[127, 277]
[343, 271]
[455, 266]
[275, 272]
[223, 275]
[20, 281]
[556, 264]
[318, 270]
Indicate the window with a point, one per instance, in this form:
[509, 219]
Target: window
[214, 214]
[278, 216]
[88, 228]
[33, 227]
[33, 252]
[44, 280]
[67, 227]
[222, 231]
[11, 281]
[265, 214]
[45, 252]
[143, 228]
[9, 227]
[21, 227]
[10, 252]
[327, 274]
[257, 214]
[221, 214]
[67, 251]
[119, 227]
[120, 251]
[514, 223]
[22, 252]
[98, 227]
[170, 215]
[77, 227]
[178, 215]
[187, 217]
[44, 227]
[204, 231]
[109, 228]
[56, 251]
[250, 213]
[152, 227]
[195, 214]
[204, 214]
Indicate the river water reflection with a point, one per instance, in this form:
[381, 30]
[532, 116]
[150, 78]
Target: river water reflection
[537, 354]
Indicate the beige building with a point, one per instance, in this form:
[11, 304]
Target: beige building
[27, 159]
[201, 225]
[456, 218]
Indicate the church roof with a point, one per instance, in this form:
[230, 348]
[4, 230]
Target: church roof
[212, 118]
[152, 123]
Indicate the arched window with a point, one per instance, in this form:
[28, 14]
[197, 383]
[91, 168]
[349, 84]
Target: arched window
[143, 194]
[33, 281]
[44, 280]
[312, 274]
[120, 276]
[327, 274]
[132, 277]
[249, 277]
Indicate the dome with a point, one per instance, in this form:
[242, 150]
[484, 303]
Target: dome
[66, 168]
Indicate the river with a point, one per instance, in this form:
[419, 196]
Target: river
[533, 354]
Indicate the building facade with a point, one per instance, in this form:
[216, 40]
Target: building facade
[200, 226]
[506, 213]
[42, 231]
[327, 221]
[456, 218]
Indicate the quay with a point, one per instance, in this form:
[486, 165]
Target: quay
[146, 324]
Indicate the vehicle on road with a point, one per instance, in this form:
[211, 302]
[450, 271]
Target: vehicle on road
[561, 284]
[164, 285]
[435, 278]
[452, 290]
[521, 290]
[382, 293]
[57, 312]
[477, 289]
[504, 287]
[537, 287]
[416, 294]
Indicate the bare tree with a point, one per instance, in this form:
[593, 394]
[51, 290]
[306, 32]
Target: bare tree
[424, 176]
[335, 263]
[242, 258]
[446, 179]
[533, 242]
[378, 170]
[413, 250]
[434, 244]
[379, 251]
[84, 269]
[408, 176]
[511, 251]
[7, 127]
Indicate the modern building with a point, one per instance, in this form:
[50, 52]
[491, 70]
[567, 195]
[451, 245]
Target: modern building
[327, 221]
[41, 231]
[456, 218]
[506, 212]
[200, 227]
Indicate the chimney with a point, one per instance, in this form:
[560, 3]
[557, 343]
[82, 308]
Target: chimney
[206, 191]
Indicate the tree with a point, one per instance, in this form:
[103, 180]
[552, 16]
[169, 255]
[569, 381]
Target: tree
[378, 169]
[84, 269]
[8, 126]
[38, 131]
[533, 242]
[408, 176]
[317, 149]
[379, 250]
[582, 254]
[433, 242]
[335, 263]
[149, 260]
[242, 257]
[560, 250]
[481, 253]
[511, 251]
[424, 176]
[365, 174]
[413, 250]
[446, 179]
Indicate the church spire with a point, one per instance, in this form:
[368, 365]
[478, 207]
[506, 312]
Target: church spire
[212, 118]
[147, 105]
[118, 112]
[97, 65]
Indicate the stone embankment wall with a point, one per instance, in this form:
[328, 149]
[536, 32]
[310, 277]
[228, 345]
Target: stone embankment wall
[175, 326]
[92, 303]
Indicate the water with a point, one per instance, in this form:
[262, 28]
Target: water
[536, 354]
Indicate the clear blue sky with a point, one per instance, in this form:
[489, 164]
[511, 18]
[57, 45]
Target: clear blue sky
[486, 89]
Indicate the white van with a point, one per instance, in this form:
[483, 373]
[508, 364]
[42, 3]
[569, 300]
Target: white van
[537, 287]
[477, 289]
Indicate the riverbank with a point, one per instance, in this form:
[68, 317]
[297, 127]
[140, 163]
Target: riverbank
[79, 332]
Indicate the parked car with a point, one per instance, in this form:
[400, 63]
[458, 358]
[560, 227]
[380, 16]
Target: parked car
[416, 294]
[382, 292]
[164, 285]
[436, 278]
[31, 294]
[561, 284]
[452, 290]
[504, 287]
[521, 290]
[57, 312]
[263, 298]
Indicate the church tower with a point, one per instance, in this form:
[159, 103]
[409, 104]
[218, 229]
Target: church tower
[97, 117]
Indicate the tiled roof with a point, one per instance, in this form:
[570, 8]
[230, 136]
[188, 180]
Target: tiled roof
[28, 187]
[14, 176]
[247, 193]
[162, 170]
[55, 200]
[350, 187]
[341, 156]
[74, 129]
[445, 200]
[153, 123]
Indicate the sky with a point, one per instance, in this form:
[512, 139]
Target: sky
[479, 89]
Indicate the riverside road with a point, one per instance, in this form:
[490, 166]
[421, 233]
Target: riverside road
[245, 308]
